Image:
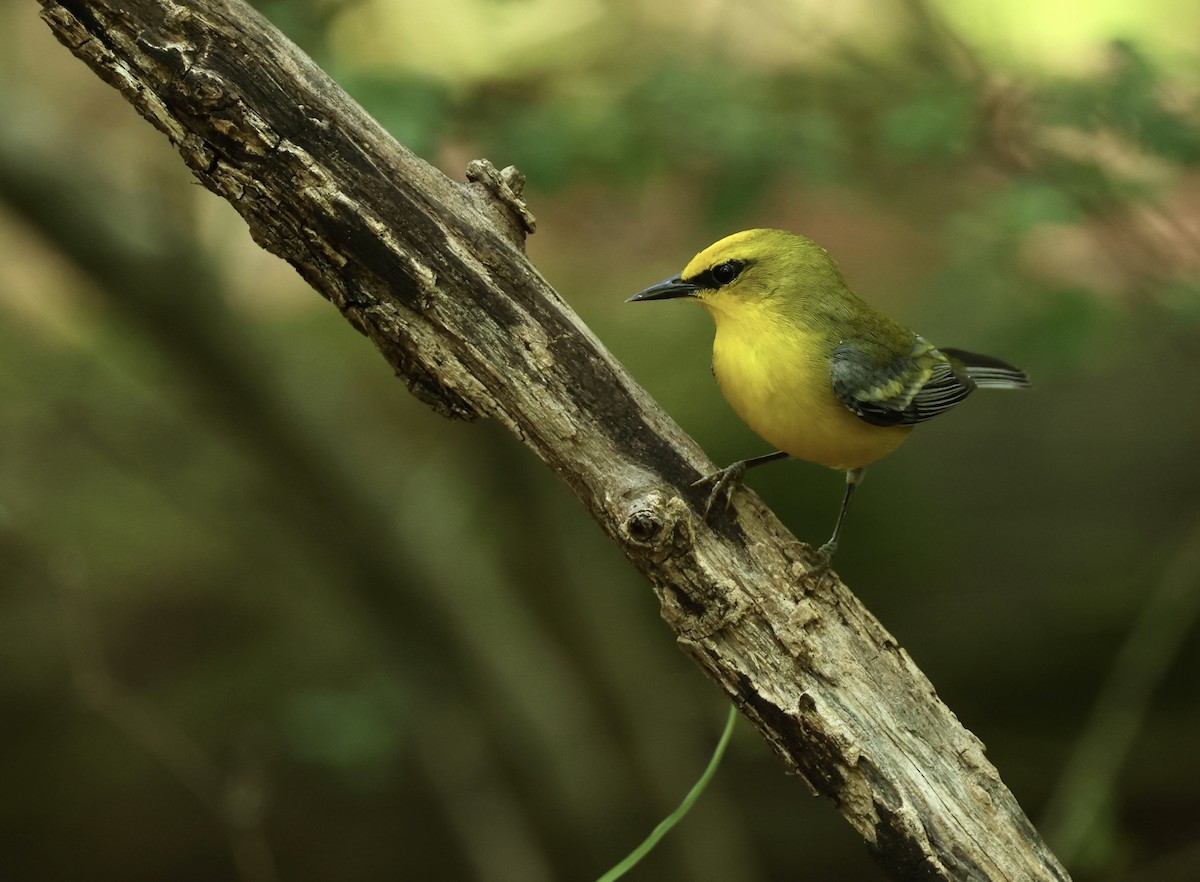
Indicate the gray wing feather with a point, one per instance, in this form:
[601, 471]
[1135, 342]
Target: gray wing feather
[902, 392]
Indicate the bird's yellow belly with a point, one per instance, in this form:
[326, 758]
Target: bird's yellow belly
[780, 387]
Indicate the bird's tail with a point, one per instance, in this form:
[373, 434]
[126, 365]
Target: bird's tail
[986, 372]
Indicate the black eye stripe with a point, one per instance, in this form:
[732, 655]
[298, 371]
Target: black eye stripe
[718, 276]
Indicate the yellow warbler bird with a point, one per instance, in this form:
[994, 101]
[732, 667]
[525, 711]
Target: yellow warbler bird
[814, 370]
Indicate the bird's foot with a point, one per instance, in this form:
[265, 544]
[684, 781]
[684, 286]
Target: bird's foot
[724, 483]
[822, 558]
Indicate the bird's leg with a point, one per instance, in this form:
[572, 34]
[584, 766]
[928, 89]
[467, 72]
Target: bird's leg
[727, 479]
[825, 552]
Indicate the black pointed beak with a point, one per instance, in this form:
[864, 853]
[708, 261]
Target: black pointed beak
[667, 289]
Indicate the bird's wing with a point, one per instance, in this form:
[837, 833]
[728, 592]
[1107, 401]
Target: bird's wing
[895, 391]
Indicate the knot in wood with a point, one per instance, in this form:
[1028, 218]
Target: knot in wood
[653, 520]
[503, 189]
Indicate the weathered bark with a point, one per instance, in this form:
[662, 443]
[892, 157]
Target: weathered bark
[433, 272]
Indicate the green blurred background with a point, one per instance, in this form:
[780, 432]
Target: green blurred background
[263, 615]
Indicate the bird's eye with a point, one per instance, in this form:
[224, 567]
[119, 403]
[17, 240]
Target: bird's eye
[726, 272]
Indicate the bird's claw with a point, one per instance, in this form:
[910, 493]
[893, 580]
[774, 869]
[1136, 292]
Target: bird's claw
[724, 482]
[823, 557]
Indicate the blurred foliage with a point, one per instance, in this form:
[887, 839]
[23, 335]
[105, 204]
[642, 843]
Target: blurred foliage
[262, 615]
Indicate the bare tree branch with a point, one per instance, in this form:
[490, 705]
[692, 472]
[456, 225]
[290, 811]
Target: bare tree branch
[432, 271]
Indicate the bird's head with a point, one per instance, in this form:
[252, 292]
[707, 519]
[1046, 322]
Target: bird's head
[756, 270]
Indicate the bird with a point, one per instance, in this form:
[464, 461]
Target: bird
[814, 370]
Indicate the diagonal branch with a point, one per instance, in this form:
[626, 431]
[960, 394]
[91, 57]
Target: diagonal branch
[433, 272]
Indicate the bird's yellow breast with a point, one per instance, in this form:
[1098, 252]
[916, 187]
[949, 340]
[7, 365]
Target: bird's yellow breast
[776, 375]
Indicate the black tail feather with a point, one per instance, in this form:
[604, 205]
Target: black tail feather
[987, 372]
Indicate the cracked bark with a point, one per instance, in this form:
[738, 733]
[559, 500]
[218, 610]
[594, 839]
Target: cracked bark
[434, 273]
